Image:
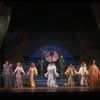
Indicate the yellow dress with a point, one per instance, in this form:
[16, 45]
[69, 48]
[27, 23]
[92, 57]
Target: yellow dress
[71, 72]
[32, 72]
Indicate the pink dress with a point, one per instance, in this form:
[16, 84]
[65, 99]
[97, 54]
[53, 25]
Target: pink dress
[19, 72]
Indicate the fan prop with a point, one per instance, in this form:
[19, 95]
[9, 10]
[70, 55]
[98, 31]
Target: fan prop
[51, 56]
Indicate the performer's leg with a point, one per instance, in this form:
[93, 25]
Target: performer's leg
[81, 82]
[73, 81]
[85, 81]
[10, 82]
[41, 71]
[5, 82]
[61, 72]
[69, 81]
[32, 81]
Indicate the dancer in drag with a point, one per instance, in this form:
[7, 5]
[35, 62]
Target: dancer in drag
[7, 73]
[51, 74]
[70, 72]
[32, 73]
[19, 71]
[94, 76]
[83, 72]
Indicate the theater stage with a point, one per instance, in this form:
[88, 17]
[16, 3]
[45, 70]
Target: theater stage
[47, 89]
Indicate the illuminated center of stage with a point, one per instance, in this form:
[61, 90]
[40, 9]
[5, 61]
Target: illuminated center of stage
[51, 53]
[51, 56]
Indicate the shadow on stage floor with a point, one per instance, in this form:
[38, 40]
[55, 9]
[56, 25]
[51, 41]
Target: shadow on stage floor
[45, 92]
[47, 89]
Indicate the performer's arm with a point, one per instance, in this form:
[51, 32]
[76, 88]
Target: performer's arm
[3, 70]
[76, 72]
[79, 72]
[67, 71]
[15, 70]
[28, 71]
[23, 71]
[86, 71]
[55, 71]
[36, 72]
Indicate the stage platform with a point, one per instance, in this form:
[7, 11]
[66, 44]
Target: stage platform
[46, 93]
[47, 89]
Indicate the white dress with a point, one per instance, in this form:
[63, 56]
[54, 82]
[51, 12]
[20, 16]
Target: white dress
[83, 72]
[51, 74]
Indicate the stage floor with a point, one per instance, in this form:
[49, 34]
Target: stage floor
[47, 89]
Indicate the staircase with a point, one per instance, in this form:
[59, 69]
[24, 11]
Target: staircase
[42, 81]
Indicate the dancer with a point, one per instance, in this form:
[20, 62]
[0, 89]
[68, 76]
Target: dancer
[61, 66]
[41, 65]
[70, 72]
[94, 76]
[19, 73]
[51, 74]
[7, 74]
[32, 73]
[83, 72]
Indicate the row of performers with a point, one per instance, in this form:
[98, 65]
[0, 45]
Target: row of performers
[90, 77]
